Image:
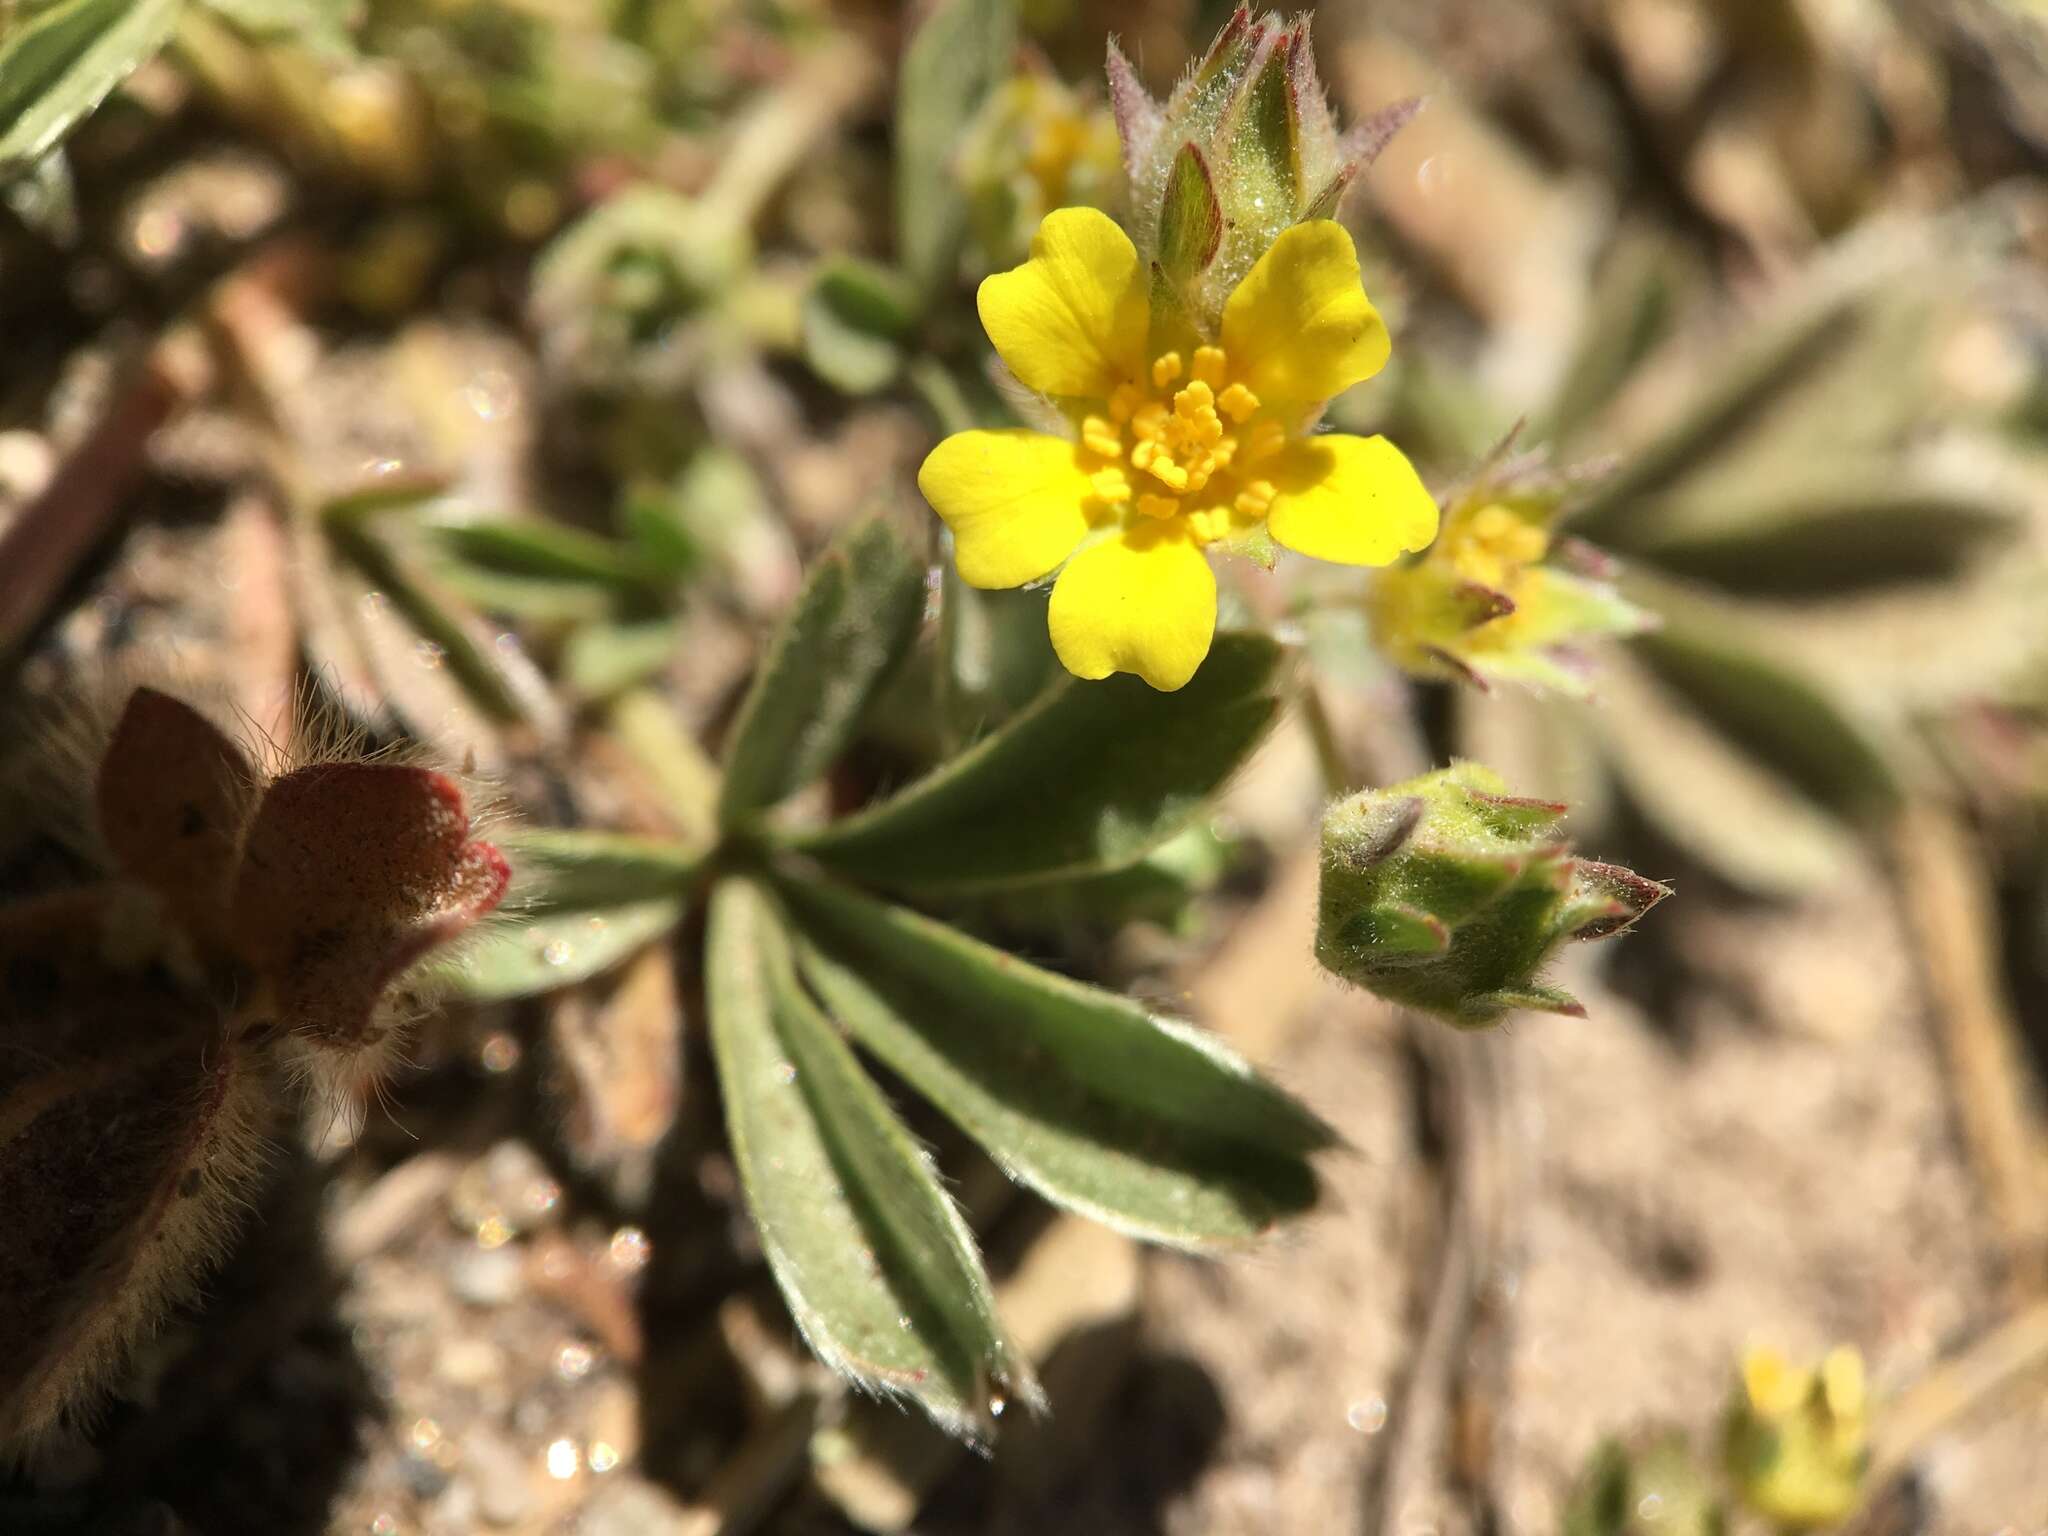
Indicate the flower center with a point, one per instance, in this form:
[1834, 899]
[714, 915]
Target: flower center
[1188, 447]
[1496, 547]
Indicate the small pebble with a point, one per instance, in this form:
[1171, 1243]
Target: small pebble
[628, 1506]
[487, 1277]
[499, 1473]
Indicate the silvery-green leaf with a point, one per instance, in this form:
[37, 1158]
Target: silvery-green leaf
[1140, 1121]
[517, 954]
[1090, 778]
[854, 321]
[963, 48]
[857, 614]
[555, 868]
[61, 58]
[876, 1264]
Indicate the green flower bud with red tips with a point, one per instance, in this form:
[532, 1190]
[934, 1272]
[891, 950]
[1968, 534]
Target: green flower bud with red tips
[1244, 148]
[1448, 895]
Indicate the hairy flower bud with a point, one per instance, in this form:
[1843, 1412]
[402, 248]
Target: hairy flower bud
[248, 928]
[1448, 895]
[1245, 147]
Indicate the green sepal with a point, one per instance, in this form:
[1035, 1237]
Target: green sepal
[1190, 222]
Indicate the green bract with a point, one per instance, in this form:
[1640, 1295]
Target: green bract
[1100, 1105]
[1245, 147]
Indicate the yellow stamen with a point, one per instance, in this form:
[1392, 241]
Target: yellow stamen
[1267, 439]
[1238, 403]
[1180, 440]
[1161, 507]
[1098, 436]
[1256, 499]
[1111, 484]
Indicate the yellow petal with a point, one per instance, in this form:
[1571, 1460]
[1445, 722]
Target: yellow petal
[1299, 327]
[1014, 500]
[1143, 602]
[1072, 319]
[1352, 500]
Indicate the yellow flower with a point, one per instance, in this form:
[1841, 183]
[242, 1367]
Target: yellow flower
[1482, 606]
[1180, 441]
[1798, 1439]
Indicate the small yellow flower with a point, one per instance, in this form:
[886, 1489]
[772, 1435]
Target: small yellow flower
[1798, 1439]
[1482, 607]
[1180, 441]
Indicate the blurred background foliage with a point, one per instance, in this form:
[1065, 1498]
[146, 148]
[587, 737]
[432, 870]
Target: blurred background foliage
[504, 363]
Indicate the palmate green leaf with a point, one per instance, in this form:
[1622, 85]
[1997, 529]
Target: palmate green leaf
[580, 902]
[856, 616]
[1824, 525]
[963, 48]
[1767, 705]
[1141, 1122]
[602, 660]
[537, 548]
[1756, 830]
[876, 1264]
[555, 868]
[60, 60]
[519, 955]
[1090, 778]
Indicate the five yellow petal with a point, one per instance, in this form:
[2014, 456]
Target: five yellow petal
[1014, 500]
[1072, 322]
[1072, 319]
[1300, 320]
[1142, 601]
[1349, 500]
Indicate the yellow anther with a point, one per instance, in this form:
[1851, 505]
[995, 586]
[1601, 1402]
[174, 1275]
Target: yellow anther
[1195, 399]
[1211, 366]
[1124, 400]
[1165, 369]
[1161, 507]
[1209, 524]
[1237, 402]
[1256, 499]
[1111, 484]
[1143, 455]
[1098, 436]
[1167, 473]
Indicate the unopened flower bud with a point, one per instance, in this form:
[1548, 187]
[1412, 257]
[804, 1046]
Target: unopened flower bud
[1449, 895]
